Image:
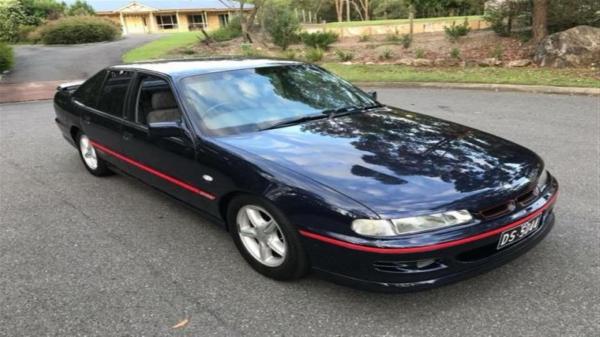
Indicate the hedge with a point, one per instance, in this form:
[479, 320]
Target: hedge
[78, 29]
[6, 57]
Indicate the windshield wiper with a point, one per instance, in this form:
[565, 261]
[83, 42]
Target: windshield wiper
[293, 121]
[332, 113]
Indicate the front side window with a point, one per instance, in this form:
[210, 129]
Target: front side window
[155, 102]
[250, 99]
[196, 21]
[167, 21]
[114, 91]
[88, 92]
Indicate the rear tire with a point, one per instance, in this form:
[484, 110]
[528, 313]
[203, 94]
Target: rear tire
[266, 239]
[92, 162]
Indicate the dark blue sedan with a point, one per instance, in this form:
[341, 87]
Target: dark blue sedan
[307, 171]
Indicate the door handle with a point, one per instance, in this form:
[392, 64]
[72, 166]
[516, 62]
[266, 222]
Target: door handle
[86, 119]
[127, 135]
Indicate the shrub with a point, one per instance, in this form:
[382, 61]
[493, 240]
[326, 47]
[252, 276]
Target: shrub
[454, 32]
[344, 56]
[320, 40]
[455, 53]
[6, 57]
[78, 29]
[283, 27]
[289, 54]
[386, 54]
[497, 52]
[364, 38]
[25, 33]
[314, 54]
[406, 41]
[420, 53]
[392, 38]
[248, 50]
[188, 51]
[229, 32]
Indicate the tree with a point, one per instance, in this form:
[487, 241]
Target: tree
[540, 20]
[365, 7]
[12, 16]
[283, 27]
[390, 9]
[80, 7]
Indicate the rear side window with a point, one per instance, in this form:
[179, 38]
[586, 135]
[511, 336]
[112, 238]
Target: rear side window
[88, 92]
[112, 96]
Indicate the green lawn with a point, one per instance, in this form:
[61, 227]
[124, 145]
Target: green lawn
[527, 76]
[161, 47]
[459, 19]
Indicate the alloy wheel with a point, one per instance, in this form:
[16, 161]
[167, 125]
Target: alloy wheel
[261, 235]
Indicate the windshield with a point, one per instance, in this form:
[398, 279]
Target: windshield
[248, 100]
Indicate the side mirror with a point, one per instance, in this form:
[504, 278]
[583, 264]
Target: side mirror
[373, 94]
[165, 129]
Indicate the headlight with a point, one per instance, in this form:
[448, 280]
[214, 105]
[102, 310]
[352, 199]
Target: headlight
[542, 181]
[410, 225]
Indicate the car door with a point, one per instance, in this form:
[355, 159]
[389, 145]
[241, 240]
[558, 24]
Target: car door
[103, 112]
[168, 163]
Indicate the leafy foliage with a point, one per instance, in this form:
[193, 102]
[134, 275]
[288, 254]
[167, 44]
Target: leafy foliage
[344, 56]
[228, 32]
[283, 26]
[386, 54]
[390, 9]
[420, 53]
[12, 16]
[455, 53]
[80, 7]
[78, 29]
[406, 41]
[6, 57]
[454, 32]
[314, 54]
[320, 40]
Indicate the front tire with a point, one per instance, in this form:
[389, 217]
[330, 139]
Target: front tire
[94, 164]
[266, 239]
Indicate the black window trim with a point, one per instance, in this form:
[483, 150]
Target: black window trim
[105, 70]
[130, 120]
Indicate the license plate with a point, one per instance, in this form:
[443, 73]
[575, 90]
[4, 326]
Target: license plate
[514, 235]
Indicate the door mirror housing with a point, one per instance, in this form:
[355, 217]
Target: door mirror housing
[373, 94]
[165, 129]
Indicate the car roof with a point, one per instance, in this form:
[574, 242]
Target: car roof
[190, 67]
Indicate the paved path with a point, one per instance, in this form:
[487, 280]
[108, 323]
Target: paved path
[90, 256]
[69, 62]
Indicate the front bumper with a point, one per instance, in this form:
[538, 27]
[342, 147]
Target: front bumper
[383, 270]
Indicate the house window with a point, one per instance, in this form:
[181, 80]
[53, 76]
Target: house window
[223, 20]
[196, 21]
[167, 21]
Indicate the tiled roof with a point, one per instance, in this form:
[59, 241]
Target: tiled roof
[113, 5]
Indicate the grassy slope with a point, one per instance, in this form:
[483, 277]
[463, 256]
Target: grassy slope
[161, 47]
[529, 76]
[459, 19]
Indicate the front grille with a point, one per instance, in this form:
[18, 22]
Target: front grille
[510, 205]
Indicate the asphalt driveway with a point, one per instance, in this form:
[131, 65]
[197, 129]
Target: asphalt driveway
[86, 256]
[36, 63]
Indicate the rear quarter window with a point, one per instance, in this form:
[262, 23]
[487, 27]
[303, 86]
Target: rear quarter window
[88, 92]
[113, 93]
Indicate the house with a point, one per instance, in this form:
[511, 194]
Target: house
[153, 16]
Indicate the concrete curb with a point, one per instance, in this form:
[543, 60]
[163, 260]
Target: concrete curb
[538, 89]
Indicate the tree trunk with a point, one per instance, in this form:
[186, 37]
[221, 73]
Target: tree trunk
[348, 10]
[540, 20]
[339, 9]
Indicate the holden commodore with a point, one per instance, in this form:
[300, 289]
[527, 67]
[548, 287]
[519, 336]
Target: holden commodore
[308, 172]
